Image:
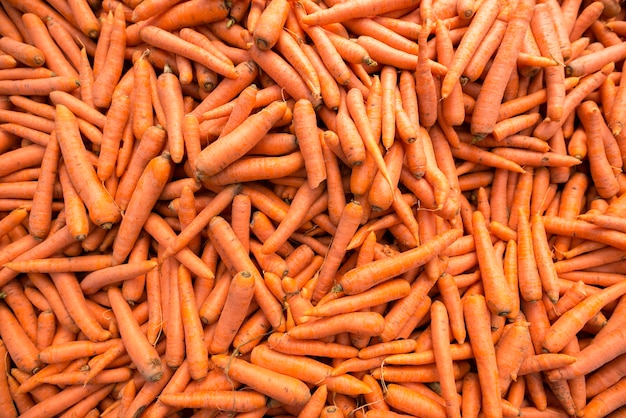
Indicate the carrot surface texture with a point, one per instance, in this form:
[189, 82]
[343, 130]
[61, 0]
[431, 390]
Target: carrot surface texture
[302, 208]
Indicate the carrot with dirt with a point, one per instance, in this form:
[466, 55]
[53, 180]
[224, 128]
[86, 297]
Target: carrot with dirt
[270, 24]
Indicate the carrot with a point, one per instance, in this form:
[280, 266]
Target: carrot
[479, 25]
[412, 402]
[269, 25]
[347, 225]
[149, 187]
[99, 202]
[382, 293]
[230, 248]
[235, 401]
[106, 80]
[25, 53]
[248, 133]
[304, 198]
[368, 275]
[283, 388]
[308, 370]
[443, 357]
[20, 347]
[141, 351]
[337, 13]
[498, 294]
[484, 114]
[568, 323]
[474, 305]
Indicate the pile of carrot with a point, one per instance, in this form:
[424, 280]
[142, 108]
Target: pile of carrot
[333, 208]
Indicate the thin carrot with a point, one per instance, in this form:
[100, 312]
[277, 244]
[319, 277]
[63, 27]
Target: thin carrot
[473, 306]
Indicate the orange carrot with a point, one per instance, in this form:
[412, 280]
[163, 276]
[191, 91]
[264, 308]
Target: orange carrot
[144, 355]
[283, 388]
[368, 275]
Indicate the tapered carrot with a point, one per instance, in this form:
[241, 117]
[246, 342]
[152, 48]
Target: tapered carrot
[473, 306]
[367, 276]
[412, 402]
[20, 347]
[443, 357]
[284, 388]
[148, 188]
[484, 114]
[338, 13]
[240, 293]
[235, 401]
[498, 294]
[99, 202]
[307, 369]
[40, 215]
[573, 320]
[230, 248]
[23, 52]
[144, 355]
[303, 199]
[248, 134]
[481, 22]
[107, 79]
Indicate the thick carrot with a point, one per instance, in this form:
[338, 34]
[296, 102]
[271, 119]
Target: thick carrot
[283, 388]
[485, 114]
[144, 355]
[247, 135]
[147, 191]
[102, 210]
